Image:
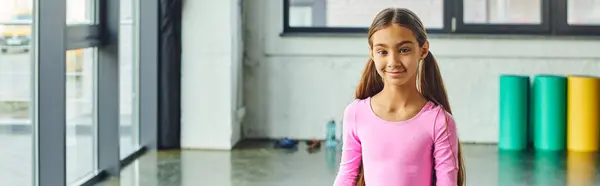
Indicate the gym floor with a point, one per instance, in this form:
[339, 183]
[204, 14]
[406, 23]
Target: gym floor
[258, 164]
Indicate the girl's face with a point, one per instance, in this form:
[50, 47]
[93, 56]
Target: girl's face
[396, 54]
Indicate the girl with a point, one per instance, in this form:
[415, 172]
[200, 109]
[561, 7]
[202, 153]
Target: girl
[399, 131]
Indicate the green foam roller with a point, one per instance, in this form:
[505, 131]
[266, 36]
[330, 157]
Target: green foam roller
[530, 131]
[514, 102]
[549, 112]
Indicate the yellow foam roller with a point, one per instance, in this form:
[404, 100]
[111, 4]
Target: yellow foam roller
[582, 113]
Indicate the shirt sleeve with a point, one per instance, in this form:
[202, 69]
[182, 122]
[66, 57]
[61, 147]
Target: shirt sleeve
[445, 150]
[351, 150]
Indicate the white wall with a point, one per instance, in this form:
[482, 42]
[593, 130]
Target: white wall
[294, 84]
[211, 68]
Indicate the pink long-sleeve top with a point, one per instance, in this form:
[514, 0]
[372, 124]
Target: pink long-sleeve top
[406, 153]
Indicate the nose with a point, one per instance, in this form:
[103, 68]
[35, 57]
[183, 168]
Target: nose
[394, 60]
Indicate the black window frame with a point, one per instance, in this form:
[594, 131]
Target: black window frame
[448, 8]
[545, 26]
[553, 23]
[561, 24]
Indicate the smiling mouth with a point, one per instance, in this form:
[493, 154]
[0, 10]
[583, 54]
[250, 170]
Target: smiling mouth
[396, 72]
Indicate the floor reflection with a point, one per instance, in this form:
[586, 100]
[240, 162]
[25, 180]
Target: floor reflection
[582, 169]
[512, 168]
[257, 164]
[549, 169]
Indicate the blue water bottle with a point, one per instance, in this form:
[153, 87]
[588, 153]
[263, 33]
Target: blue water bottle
[330, 139]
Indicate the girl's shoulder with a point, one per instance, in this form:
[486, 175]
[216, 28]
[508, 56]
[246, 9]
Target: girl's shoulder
[357, 104]
[357, 107]
[441, 120]
[436, 113]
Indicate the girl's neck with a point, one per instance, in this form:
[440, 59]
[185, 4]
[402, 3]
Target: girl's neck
[400, 96]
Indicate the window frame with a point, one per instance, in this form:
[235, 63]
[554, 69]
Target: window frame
[447, 7]
[486, 28]
[553, 23]
[560, 11]
[83, 36]
[49, 118]
[52, 38]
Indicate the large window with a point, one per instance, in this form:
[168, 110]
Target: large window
[541, 17]
[81, 77]
[128, 77]
[583, 12]
[81, 12]
[80, 114]
[69, 88]
[16, 93]
[525, 12]
[355, 15]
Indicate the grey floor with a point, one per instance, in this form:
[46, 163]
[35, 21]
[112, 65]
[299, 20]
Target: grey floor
[257, 164]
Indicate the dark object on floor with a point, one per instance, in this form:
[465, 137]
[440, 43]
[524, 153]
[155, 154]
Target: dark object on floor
[314, 145]
[286, 143]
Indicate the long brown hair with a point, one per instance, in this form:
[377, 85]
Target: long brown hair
[430, 80]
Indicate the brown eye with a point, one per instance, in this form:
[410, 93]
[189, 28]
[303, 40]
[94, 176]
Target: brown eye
[382, 52]
[404, 50]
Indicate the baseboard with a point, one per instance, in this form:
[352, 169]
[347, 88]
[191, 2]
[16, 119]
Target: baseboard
[207, 146]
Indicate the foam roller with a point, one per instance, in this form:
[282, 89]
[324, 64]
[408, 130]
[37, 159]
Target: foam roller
[549, 112]
[582, 113]
[514, 101]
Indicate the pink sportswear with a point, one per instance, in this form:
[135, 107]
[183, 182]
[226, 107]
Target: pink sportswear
[405, 153]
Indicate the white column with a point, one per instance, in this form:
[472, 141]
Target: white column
[211, 60]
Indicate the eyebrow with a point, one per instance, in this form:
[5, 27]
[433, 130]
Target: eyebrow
[399, 44]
